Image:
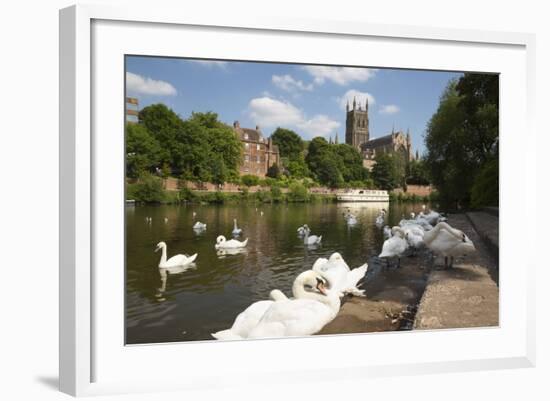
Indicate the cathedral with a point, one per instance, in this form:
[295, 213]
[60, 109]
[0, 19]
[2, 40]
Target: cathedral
[358, 136]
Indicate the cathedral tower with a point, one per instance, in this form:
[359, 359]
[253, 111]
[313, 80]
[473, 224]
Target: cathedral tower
[357, 124]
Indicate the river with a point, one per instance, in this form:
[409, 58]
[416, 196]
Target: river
[207, 297]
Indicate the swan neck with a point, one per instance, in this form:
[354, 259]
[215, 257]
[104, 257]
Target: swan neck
[331, 299]
[163, 256]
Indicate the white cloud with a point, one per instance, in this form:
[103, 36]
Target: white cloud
[389, 109]
[289, 84]
[270, 113]
[360, 97]
[137, 84]
[339, 75]
[211, 63]
[319, 125]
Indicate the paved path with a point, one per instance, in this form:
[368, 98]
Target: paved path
[466, 295]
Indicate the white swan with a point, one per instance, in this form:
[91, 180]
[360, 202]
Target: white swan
[414, 234]
[311, 239]
[199, 226]
[380, 218]
[165, 220]
[432, 217]
[387, 232]
[301, 231]
[222, 243]
[236, 230]
[351, 219]
[447, 241]
[312, 307]
[340, 277]
[174, 261]
[394, 246]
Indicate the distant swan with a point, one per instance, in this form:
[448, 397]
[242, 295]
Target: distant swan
[311, 239]
[301, 231]
[236, 230]
[174, 261]
[447, 241]
[311, 309]
[340, 277]
[222, 243]
[199, 226]
[394, 246]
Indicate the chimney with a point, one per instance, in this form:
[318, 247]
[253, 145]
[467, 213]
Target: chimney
[236, 124]
[257, 127]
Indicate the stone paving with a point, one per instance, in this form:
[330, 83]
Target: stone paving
[466, 295]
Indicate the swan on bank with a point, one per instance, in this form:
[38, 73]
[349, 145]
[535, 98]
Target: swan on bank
[174, 261]
[447, 241]
[312, 307]
[394, 246]
[340, 277]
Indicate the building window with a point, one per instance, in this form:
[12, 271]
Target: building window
[257, 159]
[246, 136]
[246, 145]
[246, 158]
[257, 146]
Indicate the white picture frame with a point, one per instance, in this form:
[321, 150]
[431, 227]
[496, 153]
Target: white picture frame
[95, 361]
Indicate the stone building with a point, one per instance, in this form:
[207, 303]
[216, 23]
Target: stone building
[258, 153]
[357, 124]
[358, 136]
[396, 143]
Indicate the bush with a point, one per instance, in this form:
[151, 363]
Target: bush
[149, 189]
[485, 187]
[276, 194]
[250, 180]
[298, 193]
[186, 194]
[263, 196]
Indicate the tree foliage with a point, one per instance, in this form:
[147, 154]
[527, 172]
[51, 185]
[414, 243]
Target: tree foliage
[143, 152]
[385, 173]
[289, 142]
[462, 136]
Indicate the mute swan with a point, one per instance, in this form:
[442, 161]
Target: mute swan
[447, 241]
[311, 308]
[380, 218]
[387, 232]
[222, 243]
[351, 219]
[174, 261]
[414, 234]
[432, 217]
[394, 246]
[340, 277]
[165, 220]
[199, 226]
[236, 230]
[301, 231]
[311, 239]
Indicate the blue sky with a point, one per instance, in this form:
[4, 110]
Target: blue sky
[308, 99]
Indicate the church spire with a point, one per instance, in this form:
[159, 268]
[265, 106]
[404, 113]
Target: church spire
[347, 105]
[336, 138]
[367, 105]
[354, 103]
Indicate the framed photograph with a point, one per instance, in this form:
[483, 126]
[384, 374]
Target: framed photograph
[250, 201]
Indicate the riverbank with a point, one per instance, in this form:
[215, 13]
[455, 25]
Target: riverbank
[422, 296]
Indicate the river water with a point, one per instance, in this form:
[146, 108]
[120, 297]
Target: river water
[205, 298]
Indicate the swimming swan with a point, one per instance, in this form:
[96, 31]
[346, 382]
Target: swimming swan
[236, 230]
[395, 245]
[312, 307]
[174, 261]
[311, 239]
[447, 241]
[340, 277]
[301, 231]
[222, 243]
[199, 226]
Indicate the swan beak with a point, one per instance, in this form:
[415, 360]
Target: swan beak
[321, 287]
[157, 249]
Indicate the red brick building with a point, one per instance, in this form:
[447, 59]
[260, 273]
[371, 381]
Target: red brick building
[258, 153]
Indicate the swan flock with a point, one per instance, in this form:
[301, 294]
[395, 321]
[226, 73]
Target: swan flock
[316, 293]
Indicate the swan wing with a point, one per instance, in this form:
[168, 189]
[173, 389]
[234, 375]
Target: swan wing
[245, 322]
[295, 317]
[176, 260]
[320, 265]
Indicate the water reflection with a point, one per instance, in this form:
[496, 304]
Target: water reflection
[207, 296]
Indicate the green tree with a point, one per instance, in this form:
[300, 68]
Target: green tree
[218, 170]
[418, 173]
[384, 173]
[143, 152]
[149, 189]
[163, 124]
[289, 142]
[250, 180]
[328, 172]
[273, 171]
[297, 192]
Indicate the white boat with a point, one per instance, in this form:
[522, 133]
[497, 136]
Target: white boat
[363, 195]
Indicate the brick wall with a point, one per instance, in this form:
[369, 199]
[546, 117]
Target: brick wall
[420, 190]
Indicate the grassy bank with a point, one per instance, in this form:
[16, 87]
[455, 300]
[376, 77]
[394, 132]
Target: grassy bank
[147, 193]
